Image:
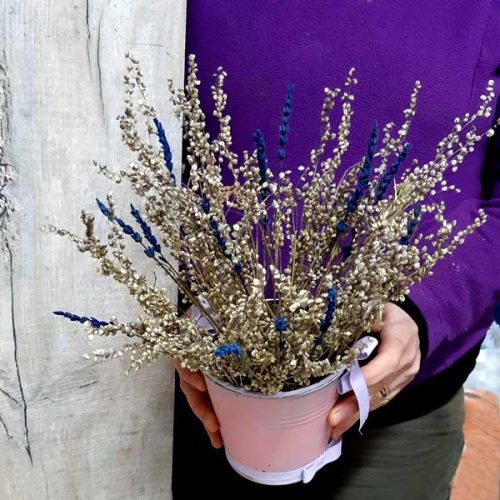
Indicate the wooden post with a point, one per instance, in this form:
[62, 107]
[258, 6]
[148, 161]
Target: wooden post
[72, 428]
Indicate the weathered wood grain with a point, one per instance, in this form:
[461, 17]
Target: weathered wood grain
[71, 428]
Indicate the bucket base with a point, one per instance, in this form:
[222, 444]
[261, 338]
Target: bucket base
[304, 474]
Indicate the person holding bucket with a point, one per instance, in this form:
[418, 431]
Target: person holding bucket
[412, 442]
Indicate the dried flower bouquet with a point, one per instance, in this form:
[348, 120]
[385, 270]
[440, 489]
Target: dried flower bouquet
[353, 238]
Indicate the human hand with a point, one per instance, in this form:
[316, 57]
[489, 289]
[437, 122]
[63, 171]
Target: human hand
[395, 366]
[195, 389]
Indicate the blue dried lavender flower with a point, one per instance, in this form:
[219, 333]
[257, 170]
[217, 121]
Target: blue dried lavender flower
[341, 227]
[390, 174]
[260, 146]
[205, 205]
[220, 239]
[146, 229]
[126, 228]
[167, 153]
[327, 320]
[285, 125]
[82, 319]
[150, 252]
[372, 146]
[330, 309]
[280, 324]
[262, 162]
[412, 225]
[104, 209]
[364, 173]
[346, 251]
[155, 247]
[227, 350]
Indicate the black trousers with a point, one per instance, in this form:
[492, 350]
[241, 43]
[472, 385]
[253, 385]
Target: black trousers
[411, 460]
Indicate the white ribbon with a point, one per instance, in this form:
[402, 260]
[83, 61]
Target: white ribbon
[354, 381]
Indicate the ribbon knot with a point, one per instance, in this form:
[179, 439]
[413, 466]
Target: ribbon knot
[352, 380]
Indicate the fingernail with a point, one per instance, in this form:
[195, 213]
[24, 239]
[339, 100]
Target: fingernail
[216, 444]
[216, 440]
[337, 417]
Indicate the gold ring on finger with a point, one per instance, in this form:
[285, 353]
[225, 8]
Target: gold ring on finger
[383, 393]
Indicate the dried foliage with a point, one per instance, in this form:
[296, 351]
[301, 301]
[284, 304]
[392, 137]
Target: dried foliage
[352, 234]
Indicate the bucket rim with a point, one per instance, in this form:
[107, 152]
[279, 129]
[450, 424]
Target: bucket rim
[296, 393]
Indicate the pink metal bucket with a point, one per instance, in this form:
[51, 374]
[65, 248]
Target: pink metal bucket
[274, 433]
[284, 438]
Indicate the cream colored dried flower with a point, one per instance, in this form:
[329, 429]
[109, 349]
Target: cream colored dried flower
[354, 247]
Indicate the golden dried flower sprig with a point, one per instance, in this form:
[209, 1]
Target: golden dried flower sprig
[352, 234]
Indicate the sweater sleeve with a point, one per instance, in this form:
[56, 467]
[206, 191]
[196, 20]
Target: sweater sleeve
[457, 300]
[454, 306]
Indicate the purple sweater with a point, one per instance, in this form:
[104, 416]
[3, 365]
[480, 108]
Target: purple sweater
[451, 46]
